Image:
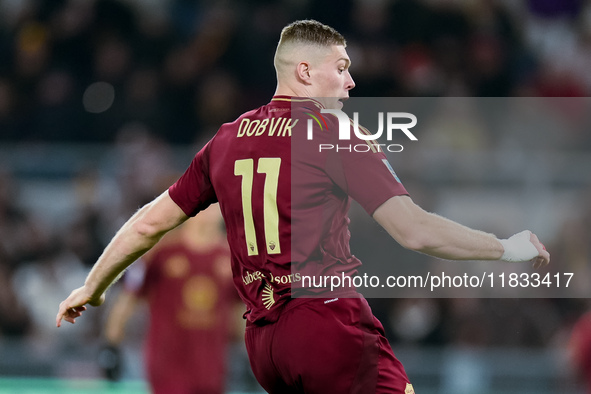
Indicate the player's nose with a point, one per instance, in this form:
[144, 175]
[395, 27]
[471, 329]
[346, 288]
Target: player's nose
[350, 84]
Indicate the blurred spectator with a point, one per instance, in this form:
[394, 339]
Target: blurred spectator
[137, 152]
[8, 116]
[41, 283]
[187, 284]
[161, 58]
[22, 238]
[14, 318]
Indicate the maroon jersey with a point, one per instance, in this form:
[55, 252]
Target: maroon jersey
[580, 344]
[190, 295]
[284, 202]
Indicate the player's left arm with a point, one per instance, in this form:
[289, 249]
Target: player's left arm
[425, 232]
[138, 235]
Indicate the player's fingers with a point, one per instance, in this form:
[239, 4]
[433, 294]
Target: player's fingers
[61, 315]
[68, 313]
[75, 311]
[546, 258]
[71, 314]
[542, 260]
[543, 257]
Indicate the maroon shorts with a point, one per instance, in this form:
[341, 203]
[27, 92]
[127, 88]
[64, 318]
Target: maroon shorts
[321, 346]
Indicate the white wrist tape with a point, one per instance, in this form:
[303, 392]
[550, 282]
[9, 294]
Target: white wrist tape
[518, 247]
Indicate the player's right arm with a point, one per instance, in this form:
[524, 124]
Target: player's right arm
[140, 233]
[425, 232]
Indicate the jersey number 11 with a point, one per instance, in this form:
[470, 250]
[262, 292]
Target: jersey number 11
[270, 167]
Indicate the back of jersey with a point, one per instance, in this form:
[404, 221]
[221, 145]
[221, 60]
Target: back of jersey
[249, 167]
[284, 201]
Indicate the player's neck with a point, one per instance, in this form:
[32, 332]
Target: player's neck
[286, 90]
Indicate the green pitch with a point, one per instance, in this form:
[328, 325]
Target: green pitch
[55, 386]
[82, 386]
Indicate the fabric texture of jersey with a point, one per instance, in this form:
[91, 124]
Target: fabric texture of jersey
[284, 202]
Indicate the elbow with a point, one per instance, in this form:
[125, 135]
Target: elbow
[414, 242]
[144, 228]
[415, 238]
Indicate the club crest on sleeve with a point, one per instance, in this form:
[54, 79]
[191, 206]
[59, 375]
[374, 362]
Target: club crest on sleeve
[387, 164]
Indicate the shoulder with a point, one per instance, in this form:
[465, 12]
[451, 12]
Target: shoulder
[249, 114]
[230, 129]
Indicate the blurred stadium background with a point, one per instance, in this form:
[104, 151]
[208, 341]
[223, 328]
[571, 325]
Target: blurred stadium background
[103, 103]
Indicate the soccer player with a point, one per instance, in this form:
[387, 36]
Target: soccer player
[580, 349]
[299, 345]
[187, 283]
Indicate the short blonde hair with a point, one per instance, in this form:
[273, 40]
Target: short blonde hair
[312, 32]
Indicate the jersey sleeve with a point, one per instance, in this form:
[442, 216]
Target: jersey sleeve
[363, 171]
[193, 191]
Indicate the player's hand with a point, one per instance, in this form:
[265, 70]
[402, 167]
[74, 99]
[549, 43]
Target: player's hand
[73, 306]
[543, 257]
[525, 246]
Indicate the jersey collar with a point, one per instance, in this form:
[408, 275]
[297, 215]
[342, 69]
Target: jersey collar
[289, 99]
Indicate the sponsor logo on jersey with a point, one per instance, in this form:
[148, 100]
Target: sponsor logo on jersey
[268, 297]
[250, 277]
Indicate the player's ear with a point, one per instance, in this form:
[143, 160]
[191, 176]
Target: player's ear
[303, 72]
